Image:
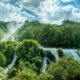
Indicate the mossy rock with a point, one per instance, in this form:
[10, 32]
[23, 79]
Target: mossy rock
[60, 52]
[50, 56]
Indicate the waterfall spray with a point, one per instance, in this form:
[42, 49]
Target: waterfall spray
[12, 28]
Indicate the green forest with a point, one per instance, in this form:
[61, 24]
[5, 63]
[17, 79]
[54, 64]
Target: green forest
[41, 52]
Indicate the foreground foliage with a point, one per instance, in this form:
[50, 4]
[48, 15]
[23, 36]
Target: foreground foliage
[29, 63]
[65, 69]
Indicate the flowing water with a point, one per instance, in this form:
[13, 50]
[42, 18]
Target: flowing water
[1, 75]
[11, 65]
[44, 67]
[55, 54]
[45, 57]
[73, 53]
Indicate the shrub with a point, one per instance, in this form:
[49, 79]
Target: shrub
[65, 69]
[2, 59]
[24, 74]
[45, 76]
[60, 52]
[50, 56]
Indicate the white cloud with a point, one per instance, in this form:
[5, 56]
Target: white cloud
[10, 13]
[50, 11]
[24, 0]
[47, 11]
[67, 0]
[75, 15]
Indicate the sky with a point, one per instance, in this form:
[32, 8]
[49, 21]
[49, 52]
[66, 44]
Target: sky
[45, 11]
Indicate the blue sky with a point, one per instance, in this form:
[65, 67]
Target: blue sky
[45, 11]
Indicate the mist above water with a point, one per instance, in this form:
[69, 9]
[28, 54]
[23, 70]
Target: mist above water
[12, 28]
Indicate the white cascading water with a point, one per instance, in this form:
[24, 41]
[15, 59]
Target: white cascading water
[74, 53]
[11, 65]
[44, 67]
[55, 54]
[1, 75]
[45, 58]
[53, 51]
[66, 52]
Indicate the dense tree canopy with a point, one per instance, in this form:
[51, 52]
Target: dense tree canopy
[65, 69]
[66, 35]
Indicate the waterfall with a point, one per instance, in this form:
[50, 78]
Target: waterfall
[11, 65]
[55, 54]
[44, 67]
[53, 51]
[1, 75]
[45, 57]
[74, 53]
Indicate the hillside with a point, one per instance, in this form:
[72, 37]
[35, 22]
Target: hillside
[66, 35]
[39, 39]
[48, 50]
